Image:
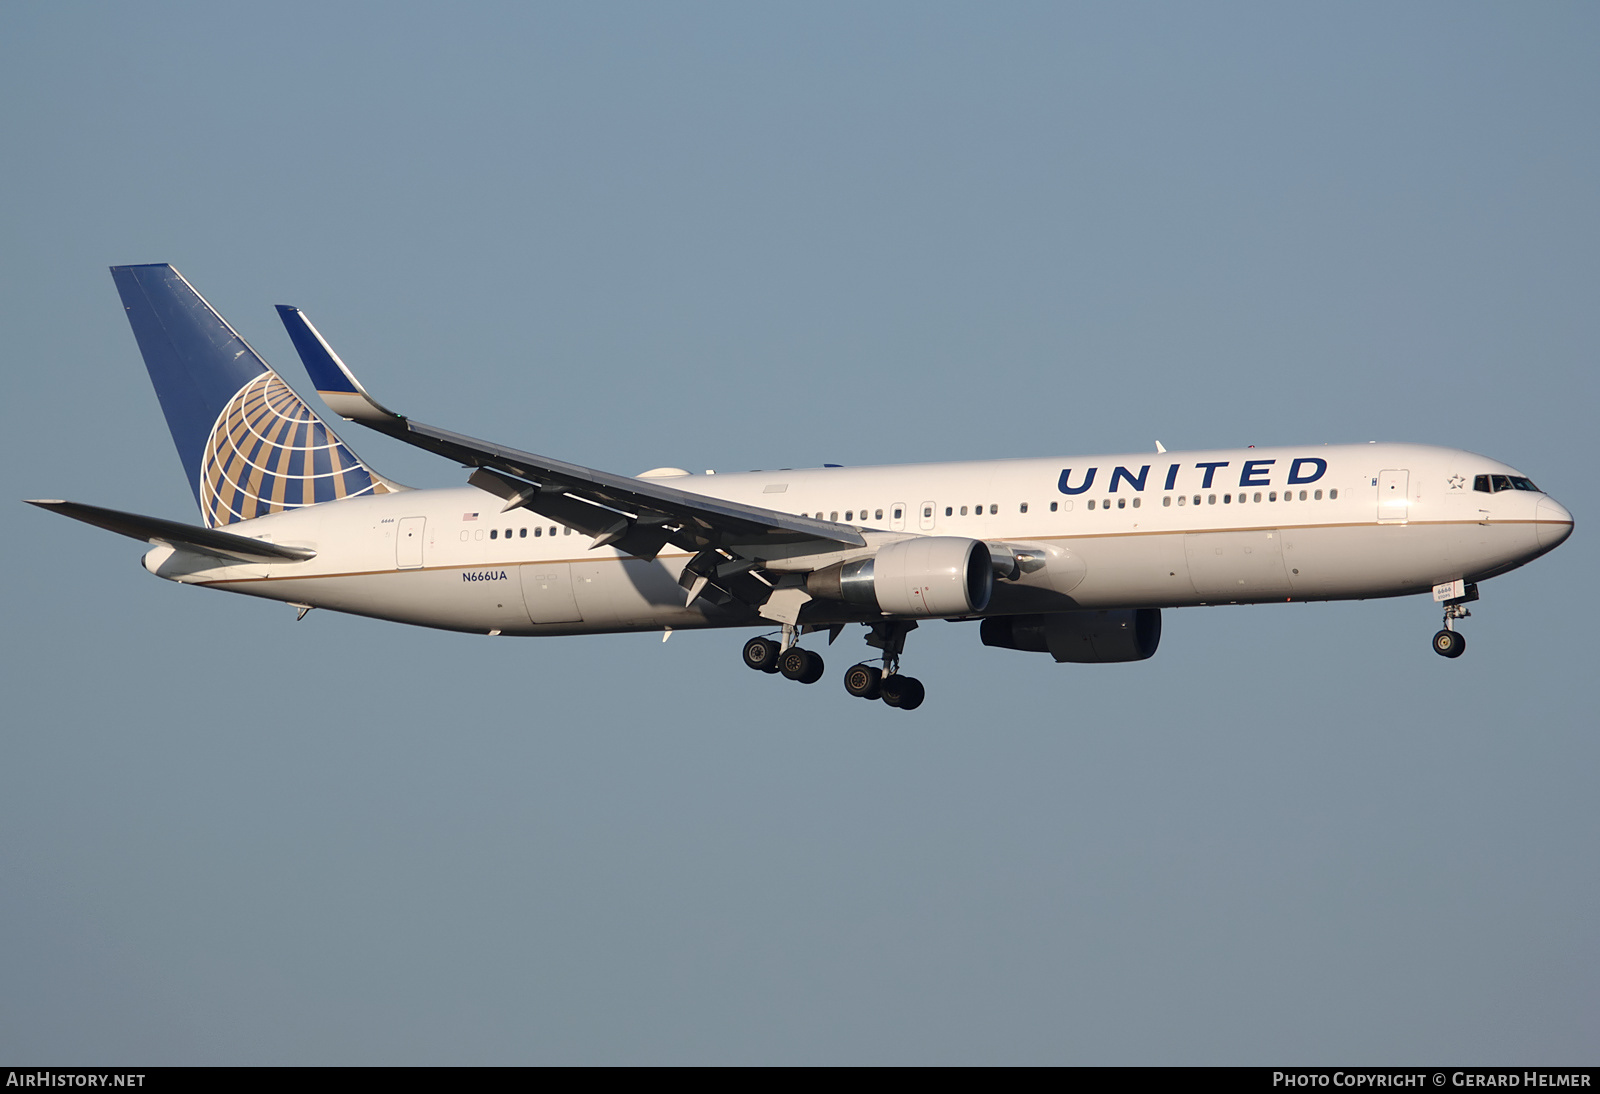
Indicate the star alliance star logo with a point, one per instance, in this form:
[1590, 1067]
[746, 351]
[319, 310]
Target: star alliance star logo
[1457, 482]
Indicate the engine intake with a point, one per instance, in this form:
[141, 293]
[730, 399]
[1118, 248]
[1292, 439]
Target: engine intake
[923, 577]
[1092, 637]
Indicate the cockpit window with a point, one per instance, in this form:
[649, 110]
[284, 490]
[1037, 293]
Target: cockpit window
[1493, 484]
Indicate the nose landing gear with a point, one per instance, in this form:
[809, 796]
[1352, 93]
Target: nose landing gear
[1449, 642]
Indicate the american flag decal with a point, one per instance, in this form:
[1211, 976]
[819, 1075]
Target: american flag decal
[469, 516]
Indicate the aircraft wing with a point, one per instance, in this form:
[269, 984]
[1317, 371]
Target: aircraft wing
[209, 541]
[637, 515]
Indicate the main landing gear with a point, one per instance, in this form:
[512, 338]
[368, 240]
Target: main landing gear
[870, 682]
[865, 681]
[794, 663]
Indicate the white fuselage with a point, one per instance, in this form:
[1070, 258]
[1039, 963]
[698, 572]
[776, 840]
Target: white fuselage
[1151, 530]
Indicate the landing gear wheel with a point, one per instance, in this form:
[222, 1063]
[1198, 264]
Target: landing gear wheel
[863, 681]
[905, 692]
[1449, 644]
[762, 654]
[801, 665]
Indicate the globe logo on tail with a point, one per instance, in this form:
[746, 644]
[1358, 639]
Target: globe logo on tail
[268, 452]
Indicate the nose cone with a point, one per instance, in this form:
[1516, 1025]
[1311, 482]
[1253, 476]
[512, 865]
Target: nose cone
[1554, 523]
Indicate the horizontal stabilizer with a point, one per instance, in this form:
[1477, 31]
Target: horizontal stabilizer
[224, 545]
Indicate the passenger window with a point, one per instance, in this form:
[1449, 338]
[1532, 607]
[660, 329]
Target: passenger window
[947, 510]
[849, 515]
[877, 514]
[1332, 494]
[994, 509]
[963, 510]
[538, 531]
[1183, 499]
[1166, 501]
[1318, 495]
[1052, 507]
[522, 533]
[478, 535]
[494, 533]
[1257, 497]
[1272, 496]
[1122, 503]
[564, 531]
[1226, 498]
[1302, 495]
[1136, 503]
[463, 535]
[1024, 507]
[1091, 503]
[834, 515]
[1211, 499]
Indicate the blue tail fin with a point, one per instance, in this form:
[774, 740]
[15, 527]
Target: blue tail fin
[249, 445]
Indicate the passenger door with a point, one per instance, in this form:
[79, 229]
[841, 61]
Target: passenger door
[408, 543]
[1394, 499]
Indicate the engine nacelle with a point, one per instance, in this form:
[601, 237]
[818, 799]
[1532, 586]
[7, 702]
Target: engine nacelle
[1090, 637]
[925, 577]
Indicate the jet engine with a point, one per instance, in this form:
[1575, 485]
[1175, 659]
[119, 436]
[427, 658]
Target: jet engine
[926, 576]
[1090, 637]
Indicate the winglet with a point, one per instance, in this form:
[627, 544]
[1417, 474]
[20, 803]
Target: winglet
[333, 380]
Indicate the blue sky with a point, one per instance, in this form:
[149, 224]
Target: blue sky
[735, 236]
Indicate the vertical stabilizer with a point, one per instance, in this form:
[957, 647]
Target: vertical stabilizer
[249, 445]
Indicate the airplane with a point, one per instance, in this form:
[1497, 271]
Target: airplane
[1072, 557]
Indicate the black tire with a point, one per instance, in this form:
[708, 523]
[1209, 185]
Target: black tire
[814, 668]
[863, 681]
[761, 654]
[911, 693]
[1449, 644]
[801, 665]
[891, 689]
